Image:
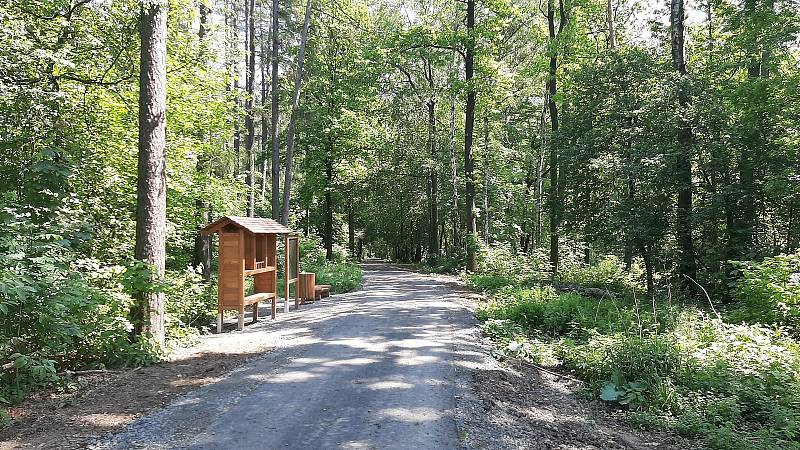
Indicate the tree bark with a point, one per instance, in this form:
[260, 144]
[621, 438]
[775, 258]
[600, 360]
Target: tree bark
[540, 169]
[687, 267]
[249, 115]
[469, 126]
[264, 61]
[433, 175]
[486, 179]
[454, 172]
[151, 187]
[328, 235]
[276, 151]
[553, 110]
[237, 133]
[612, 30]
[298, 81]
[202, 244]
[351, 230]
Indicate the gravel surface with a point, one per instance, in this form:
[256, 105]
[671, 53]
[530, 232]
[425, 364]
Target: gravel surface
[378, 368]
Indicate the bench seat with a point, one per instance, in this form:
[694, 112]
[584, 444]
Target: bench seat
[321, 291]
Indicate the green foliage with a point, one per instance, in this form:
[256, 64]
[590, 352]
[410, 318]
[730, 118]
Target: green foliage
[769, 292]
[57, 311]
[668, 366]
[342, 275]
[191, 304]
[608, 272]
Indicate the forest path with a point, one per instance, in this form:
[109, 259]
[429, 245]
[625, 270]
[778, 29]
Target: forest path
[381, 367]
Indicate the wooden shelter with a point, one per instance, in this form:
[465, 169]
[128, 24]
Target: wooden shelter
[248, 247]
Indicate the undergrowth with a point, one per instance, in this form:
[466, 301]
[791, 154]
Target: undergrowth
[733, 383]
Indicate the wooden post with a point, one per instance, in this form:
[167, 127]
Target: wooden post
[241, 274]
[286, 273]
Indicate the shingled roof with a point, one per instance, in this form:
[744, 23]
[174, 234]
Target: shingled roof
[254, 225]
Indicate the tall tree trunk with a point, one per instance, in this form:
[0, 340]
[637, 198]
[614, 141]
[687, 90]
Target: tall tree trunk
[612, 30]
[298, 81]
[351, 230]
[486, 179]
[469, 126]
[687, 267]
[264, 61]
[202, 244]
[648, 268]
[328, 235]
[433, 176]
[276, 151]
[249, 114]
[540, 170]
[151, 187]
[237, 132]
[454, 172]
[553, 110]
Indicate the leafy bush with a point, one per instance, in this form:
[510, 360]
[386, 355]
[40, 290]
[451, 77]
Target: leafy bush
[736, 386]
[769, 291]
[191, 304]
[342, 275]
[607, 273]
[488, 282]
[57, 312]
[499, 260]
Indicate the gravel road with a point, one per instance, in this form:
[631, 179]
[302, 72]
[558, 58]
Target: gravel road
[382, 367]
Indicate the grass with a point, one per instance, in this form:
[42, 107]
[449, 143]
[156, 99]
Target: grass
[664, 365]
[341, 276]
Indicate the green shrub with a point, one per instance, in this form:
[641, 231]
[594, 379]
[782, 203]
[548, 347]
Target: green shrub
[342, 275]
[735, 386]
[58, 312]
[499, 260]
[607, 273]
[191, 304]
[488, 282]
[769, 291]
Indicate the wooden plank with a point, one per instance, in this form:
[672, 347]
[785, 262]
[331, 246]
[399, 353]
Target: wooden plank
[261, 270]
[286, 274]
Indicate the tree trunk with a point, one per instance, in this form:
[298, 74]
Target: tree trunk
[237, 133]
[264, 61]
[687, 267]
[351, 231]
[454, 171]
[612, 31]
[486, 179]
[151, 187]
[298, 80]
[328, 238]
[540, 170]
[202, 244]
[469, 126]
[648, 268]
[433, 176]
[249, 115]
[276, 151]
[553, 109]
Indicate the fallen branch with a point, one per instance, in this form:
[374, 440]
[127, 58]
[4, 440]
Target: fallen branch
[542, 369]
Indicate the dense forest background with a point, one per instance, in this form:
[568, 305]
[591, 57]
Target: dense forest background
[640, 149]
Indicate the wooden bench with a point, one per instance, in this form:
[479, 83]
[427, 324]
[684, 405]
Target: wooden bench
[321, 291]
[254, 300]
